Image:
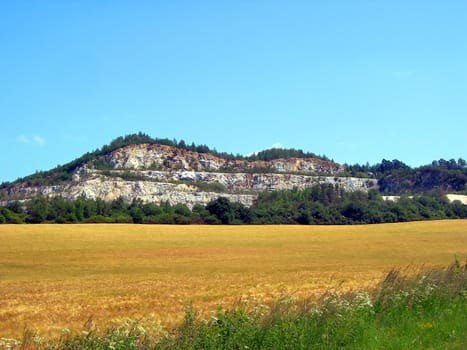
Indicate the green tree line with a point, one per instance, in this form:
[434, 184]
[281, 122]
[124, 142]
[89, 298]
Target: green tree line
[321, 204]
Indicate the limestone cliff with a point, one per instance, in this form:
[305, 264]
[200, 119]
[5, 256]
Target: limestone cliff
[158, 173]
[154, 156]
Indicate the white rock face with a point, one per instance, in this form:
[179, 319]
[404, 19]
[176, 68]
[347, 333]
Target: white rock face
[109, 189]
[457, 197]
[451, 197]
[162, 157]
[148, 191]
[251, 182]
[159, 188]
[182, 176]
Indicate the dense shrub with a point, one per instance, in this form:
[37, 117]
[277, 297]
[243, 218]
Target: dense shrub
[10, 217]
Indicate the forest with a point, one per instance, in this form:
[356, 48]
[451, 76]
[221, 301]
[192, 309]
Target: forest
[395, 177]
[321, 204]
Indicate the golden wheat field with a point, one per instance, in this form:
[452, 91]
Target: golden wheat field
[58, 276]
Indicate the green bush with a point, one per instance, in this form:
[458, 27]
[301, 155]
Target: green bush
[121, 218]
[99, 219]
[11, 217]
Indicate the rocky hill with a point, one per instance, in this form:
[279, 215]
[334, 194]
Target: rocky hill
[161, 173]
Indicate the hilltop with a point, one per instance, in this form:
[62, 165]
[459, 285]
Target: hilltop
[140, 179]
[160, 171]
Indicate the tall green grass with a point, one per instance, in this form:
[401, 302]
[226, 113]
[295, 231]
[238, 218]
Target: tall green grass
[408, 310]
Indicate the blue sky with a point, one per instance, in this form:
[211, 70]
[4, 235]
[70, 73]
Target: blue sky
[355, 80]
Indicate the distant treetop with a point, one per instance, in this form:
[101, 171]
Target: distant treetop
[266, 155]
[277, 153]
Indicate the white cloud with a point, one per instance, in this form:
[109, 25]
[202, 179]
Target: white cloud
[39, 140]
[23, 139]
[36, 139]
[274, 145]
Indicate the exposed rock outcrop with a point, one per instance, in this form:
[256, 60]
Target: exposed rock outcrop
[159, 174]
[152, 156]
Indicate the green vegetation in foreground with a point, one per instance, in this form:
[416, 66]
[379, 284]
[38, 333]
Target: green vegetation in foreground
[425, 311]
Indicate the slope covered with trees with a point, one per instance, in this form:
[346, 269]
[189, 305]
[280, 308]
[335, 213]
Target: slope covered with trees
[395, 177]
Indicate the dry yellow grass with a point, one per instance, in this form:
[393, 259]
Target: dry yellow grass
[57, 276]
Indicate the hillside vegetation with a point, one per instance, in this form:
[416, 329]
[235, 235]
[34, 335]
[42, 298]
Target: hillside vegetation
[324, 204]
[396, 178]
[63, 173]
